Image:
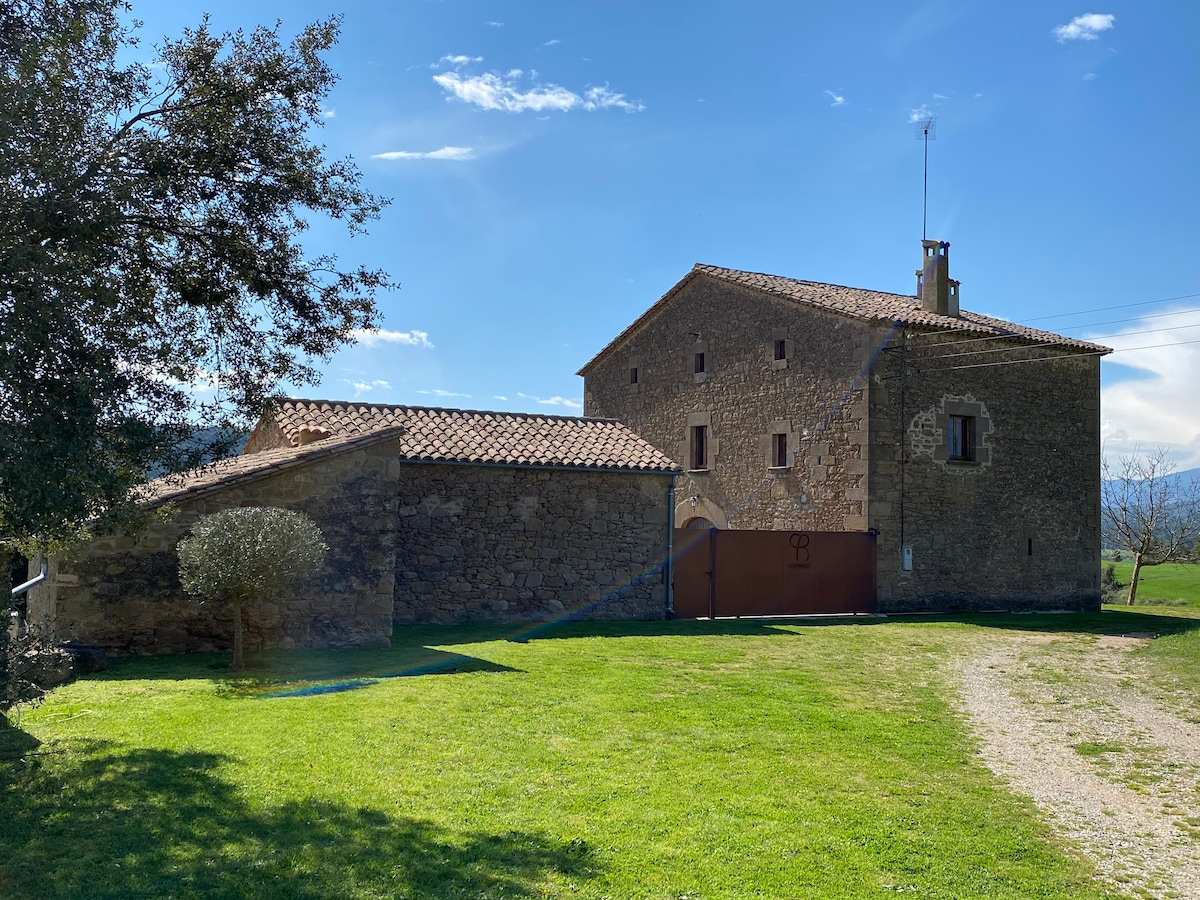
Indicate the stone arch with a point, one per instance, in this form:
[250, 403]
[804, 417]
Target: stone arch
[685, 512]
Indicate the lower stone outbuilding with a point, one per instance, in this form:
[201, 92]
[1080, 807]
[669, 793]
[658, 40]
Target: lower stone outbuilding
[432, 516]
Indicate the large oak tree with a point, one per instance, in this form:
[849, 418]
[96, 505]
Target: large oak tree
[150, 217]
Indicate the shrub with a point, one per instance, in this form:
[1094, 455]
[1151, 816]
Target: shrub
[246, 555]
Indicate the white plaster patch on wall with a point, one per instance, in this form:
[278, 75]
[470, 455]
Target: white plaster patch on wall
[923, 433]
[436, 506]
[928, 430]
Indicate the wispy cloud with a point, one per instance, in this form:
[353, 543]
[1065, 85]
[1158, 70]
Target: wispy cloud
[495, 91]
[1084, 28]
[552, 42]
[1089, 76]
[920, 114]
[499, 397]
[438, 392]
[455, 60]
[328, 113]
[456, 154]
[373, 337]
[495, 24]
[363, 387]
[1155, 407]
[940, 97]
[838, 99]
[553, 401]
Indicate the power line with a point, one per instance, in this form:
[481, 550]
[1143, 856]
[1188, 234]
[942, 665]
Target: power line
[1107, 308]
[1017, 362]
[1054, 343]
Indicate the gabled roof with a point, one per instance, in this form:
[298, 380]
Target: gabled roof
[856, 303]
[430, 434]
[239, 469]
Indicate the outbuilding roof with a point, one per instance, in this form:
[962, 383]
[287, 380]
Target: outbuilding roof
[858, 303]
[431, 434]
[225, 473]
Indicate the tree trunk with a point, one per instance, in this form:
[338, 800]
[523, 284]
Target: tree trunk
[1133, 582]
[237, 663]
[5, 622]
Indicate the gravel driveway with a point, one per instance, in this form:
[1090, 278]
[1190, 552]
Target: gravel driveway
[1065, 721]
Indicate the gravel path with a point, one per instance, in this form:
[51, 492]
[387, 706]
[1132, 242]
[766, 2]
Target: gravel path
[1064, 721]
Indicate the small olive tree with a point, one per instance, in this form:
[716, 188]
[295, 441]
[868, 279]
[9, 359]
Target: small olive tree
[249, 554]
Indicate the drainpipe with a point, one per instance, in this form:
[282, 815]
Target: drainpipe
[32, 582]
[670, 549]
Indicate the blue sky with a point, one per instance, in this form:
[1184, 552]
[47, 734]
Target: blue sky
[556, 167]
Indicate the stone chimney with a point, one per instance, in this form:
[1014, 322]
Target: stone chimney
[937, 291]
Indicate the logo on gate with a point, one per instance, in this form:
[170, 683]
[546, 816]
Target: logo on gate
[799, 543]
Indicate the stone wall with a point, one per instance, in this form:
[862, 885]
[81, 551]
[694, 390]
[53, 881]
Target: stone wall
[501, 544]
[123, 594]
[1018, 528]
[816, 395]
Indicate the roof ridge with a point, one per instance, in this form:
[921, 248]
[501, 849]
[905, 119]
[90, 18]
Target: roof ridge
[707, 267]
[451, 409]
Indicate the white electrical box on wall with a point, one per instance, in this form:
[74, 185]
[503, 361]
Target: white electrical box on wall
[906, 558]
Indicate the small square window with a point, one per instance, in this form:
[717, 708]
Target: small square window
[698, 364]
[633, 374]
[699, 447]
[779, 451]
[961, 440]
[781, 349]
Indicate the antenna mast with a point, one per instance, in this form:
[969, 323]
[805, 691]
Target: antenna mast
[926, 131]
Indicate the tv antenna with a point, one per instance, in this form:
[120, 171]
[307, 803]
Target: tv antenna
[926, 131]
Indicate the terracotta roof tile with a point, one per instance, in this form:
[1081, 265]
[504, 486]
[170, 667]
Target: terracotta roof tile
[860, 303]
[429, 434]
[226, 472]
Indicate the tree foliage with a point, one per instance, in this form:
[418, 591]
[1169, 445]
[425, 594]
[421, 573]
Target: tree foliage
[151, 274]
[1147, 510]
[248, 554]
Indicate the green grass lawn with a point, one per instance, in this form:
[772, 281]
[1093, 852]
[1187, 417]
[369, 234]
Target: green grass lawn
[1174, 583]
[645, 760]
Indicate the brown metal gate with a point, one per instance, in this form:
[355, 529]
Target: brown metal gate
[720, 573]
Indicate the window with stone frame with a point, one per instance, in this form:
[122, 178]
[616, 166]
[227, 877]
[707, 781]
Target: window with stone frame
[779, 450]
[698, 364]
[698, 449]
[960, 438]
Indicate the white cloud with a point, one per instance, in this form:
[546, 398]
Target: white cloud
[920, 114]
[495, 24]
[455, 60]
[362, 387]
[552, 42]
[328, 113]
[1084, 28]
[553, 401]
[1089, 76]
[1157, 407]
[372, 337]
[438, 392]
[603, 98]
[499, 397]
[940, 97]
[494, 91]
[457, 154]
[838, 99]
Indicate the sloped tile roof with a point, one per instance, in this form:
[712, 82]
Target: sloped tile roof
[225, 473]
[860, 303]
[429, 434]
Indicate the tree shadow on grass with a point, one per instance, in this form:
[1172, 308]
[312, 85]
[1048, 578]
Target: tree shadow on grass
[270, 669]
[100, 821]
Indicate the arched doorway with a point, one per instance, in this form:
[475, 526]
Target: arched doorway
[699, 523]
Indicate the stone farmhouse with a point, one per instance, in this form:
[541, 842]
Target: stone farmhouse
[967, 445]
[432, 516]
[906, 452]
